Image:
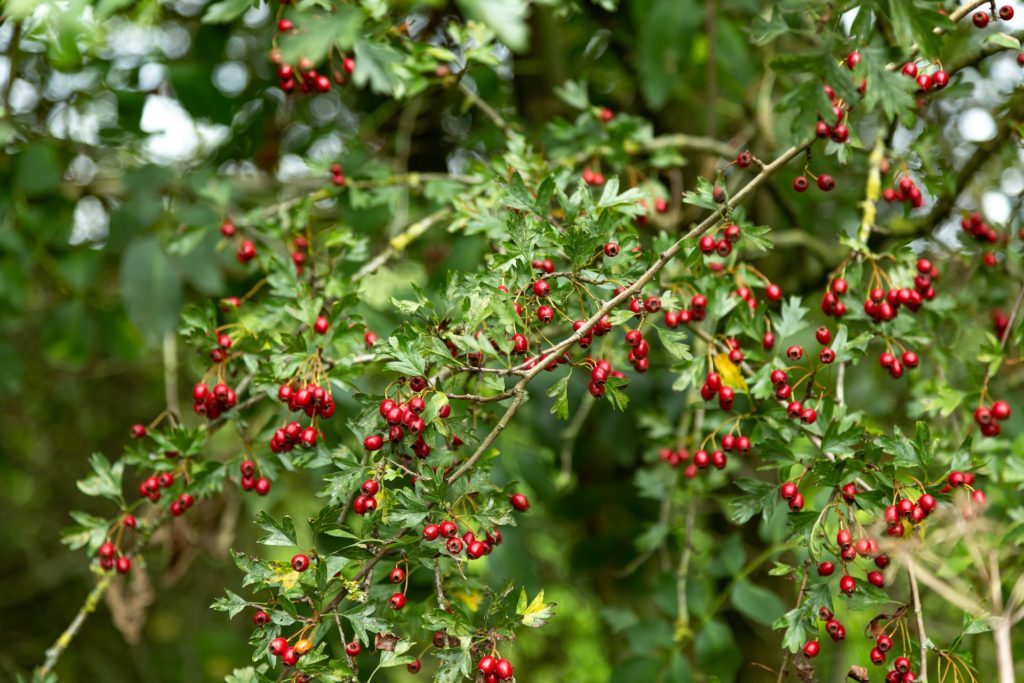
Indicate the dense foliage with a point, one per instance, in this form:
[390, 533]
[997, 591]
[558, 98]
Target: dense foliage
[654, 340]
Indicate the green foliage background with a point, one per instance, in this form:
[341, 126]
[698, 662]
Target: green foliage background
[88, 328]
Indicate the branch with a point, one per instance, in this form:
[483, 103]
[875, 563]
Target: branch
[520, 394]
[399, 242]
[442, 602]
[784, 669]
[62, 642]
[922, 636]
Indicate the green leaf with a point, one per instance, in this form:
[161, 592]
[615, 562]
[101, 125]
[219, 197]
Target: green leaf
[227, 11]
[375, 64]
[340, 28]
[232, 604]
[105, 480]
[281, 533]
[535, 613]
[792, 320]
[151, 288]
[673, 342]
[507, 18]
[758, 604]
[1003, 40]
[560, 392]
[665, 47]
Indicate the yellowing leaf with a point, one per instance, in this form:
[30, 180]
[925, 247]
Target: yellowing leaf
[287, 578]
[469, 599]
[730, 373]
[537, 612]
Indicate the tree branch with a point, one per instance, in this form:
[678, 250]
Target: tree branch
[922, 635]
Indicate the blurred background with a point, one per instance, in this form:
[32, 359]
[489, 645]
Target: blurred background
[123, 125]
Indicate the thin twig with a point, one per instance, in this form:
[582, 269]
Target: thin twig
[784, 669]
[62, 642]
[922, 635]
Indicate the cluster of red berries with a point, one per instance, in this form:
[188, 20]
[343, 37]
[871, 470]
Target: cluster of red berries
[896, 365]
[696, 313]
[246, 250]
[826, 183]
[594, 178]
[286, 438]
[784, 392]
[835, 630]
[638, 349]
[337, 175]
[405, 415]
[312, 399]
[639, 305]
[250, 482]
[926, 82]
[713, 244]
[976, 226]
[906, 190]
[290, 654]
[219, 354]
[713, 386]
[831, 304]
[475, 547]
[791, 494]
[989, 417]
[300, 252]
[839, 132]
[660, 207]
[904, 508]
[111, 559]
[882, 305]
[494, 670]
[212, 402]
[900, 672]
[981, 17]
[303, 76]
[366, 501]
[599, 376]
[151, 485]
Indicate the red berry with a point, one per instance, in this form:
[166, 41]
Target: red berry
[773, 292]
[414, 666]
[980, 19]
[397, 601]
[487, 665]
[811, 649]
[1006, 12]
[278, 646]
[261, 618]
[611, 249]
[1000, 410]
[504, 669]
[847, 584]
[321, 325]
[800, 184]
[300, 562]
[826, 568]
[138, 431]
[373, 442]
[352, 648]
[519, 502]
[123, 565]
[826, 183]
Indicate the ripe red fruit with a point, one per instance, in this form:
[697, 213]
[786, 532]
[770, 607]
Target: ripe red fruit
[352, 648]
[980, 19]
[290, 657]
[431, 532]
[847, 584]
[123, 565]
[414, 666]
[261, 618]
[940, 79]
[1000, 410]
[877, 656]
[262, 487]
[797, 504]
[1006, 12]
[902, 664]
[397, 601]
[910, 359]
[300, 562]
[884, 643]
[800, 184]
[844, 538]
[788, 490]
[373, 442]
[876, 578]
[811, 649]
[321, 325]
[519, 502]
[744, 159]
[448, 529]
[504, 669]
[795, 353]
[541, 288]
[246, 251]
[773, 292]
[138, 431]
[826, 183]
[278, 646]
[826, 568]
[487, 665]
[611, 249]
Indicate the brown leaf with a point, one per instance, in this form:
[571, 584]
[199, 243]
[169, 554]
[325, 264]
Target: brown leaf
[385, 641]
[858, 673]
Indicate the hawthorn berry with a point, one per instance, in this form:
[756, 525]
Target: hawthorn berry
[352, 648]
[1006, 12]
[414, 666]
[520, 502]
[396, 601]
[847, 584]
[261, 618]
[321, 324]
[980, 19]
[826, 568]
[826, 183]
[611, 249]
[278, 646]
[487, 665]
[290, 657]
[123, 565]
[811, 649]
[504, 669]
[800, 184]
[300, 562]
